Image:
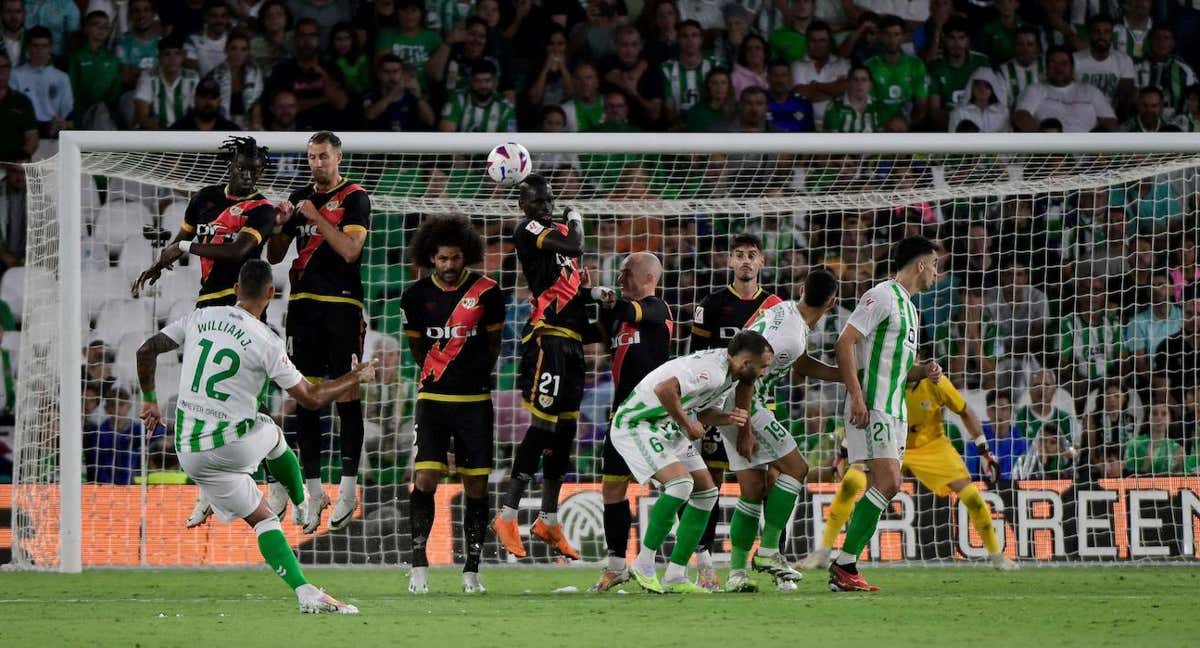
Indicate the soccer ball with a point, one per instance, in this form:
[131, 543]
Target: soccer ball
[509, 164]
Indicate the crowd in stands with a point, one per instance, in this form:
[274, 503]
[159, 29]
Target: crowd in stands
[1073, 318]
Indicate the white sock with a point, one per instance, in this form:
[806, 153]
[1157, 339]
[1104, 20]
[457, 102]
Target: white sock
[645, 558]
[675, 572]
[768, 553]
[616, 563]
[348, 485]
[307, 588]
[704, 558]
[508, 513]
[313, 486]
[844, 558]
[549, 518]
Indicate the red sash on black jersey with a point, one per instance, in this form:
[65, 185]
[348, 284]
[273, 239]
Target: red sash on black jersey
[466, 315]
[767, 303]
[562, 291]
[224, 228]
[333, 212]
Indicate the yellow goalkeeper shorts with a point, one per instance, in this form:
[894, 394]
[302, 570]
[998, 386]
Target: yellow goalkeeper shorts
[936, 465]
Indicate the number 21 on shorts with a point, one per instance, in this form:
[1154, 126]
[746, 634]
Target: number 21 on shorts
[548, 385]
[881, 432]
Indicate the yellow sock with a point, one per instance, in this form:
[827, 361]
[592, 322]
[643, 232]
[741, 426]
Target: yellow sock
[843, 505]
[981, 517]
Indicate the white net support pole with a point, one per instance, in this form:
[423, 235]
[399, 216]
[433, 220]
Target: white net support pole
[70, 218]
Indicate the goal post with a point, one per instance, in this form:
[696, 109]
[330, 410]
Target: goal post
[835, 197]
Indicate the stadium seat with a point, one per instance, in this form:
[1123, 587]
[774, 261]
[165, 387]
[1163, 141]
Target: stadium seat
[117, 318]
[13, 287]
[136, 255]
[177, 284]
[12, 344]
[118, 221]
[104, 286]
[172, 217]
[180, 309]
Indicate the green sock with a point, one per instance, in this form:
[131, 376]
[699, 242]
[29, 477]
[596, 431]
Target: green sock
[687, 536]
[286, 469]
[662, 517]
[743, 529]
[862, 523]
[781, 501]
[278, 553]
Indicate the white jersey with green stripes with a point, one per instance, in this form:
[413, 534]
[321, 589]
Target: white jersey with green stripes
[786, 330]
[704, 381]
[888, 322]
[228, 358]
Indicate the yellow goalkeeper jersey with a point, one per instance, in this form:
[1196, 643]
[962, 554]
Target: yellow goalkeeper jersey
[925, 403]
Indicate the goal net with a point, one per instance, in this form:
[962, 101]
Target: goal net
[1066, 315]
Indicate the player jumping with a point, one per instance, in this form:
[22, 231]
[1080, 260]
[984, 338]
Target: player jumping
[876, 355]
[719, 317]
[453, 319]
[932, 459]
[328, 220]
[654, 432]
[219, 433]
[638, 330]
[551, 371]
[768, 444]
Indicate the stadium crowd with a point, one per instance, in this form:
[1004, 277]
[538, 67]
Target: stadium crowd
[1073, 318]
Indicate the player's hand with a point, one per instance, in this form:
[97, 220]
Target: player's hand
[570, 215]
[859, 415]
[606, 296]
[990, 468]
[694, 430]
[364, 370]
[283, 212]
[746, 443]
[151, 417]
[933, 371]
[149, 277]
[308, 210]
[737, 416]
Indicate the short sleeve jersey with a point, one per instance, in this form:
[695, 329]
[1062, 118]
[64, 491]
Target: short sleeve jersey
[320, 273]
[451, 324]
[786, 330]
[215, 217]
[553, 280]
[949, 82]
[228, 359]
[704, 381]
[896, 85]
[724, 313]
[925, 403]
[888, 322]
[639, 339]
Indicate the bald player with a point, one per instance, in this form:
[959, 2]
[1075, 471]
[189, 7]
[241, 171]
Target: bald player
[638, 328]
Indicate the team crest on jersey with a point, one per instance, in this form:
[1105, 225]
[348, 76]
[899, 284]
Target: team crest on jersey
[469, 303]
[235, 210]
[534, 227]
[699, 316]
[783, 356]
[545, 400]
[332, 204]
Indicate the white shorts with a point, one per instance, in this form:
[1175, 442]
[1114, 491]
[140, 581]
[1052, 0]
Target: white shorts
[884, 438]
[648, 447]
[774, 440]
[224, 474]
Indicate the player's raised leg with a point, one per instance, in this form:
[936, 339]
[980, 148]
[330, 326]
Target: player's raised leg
[852, 485]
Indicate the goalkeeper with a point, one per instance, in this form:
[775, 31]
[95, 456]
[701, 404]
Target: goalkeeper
[932, 459]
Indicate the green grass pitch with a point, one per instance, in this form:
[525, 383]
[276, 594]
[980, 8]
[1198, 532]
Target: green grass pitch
[918, 606]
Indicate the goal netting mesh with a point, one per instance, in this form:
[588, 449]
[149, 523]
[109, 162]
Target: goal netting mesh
[1066, 277]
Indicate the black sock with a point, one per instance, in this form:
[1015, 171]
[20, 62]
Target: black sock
[351, 417]
[475, 519]
[550, 491]
[525, 464]
[517, 484]
[617, 522]
[420, 520]
[308, 423]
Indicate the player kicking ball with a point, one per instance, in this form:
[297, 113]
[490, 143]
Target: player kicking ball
[881, 338]
[654, 432]
[765, 443]
[229, 353]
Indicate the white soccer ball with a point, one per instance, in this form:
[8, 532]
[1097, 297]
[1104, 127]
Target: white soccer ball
[509, 164]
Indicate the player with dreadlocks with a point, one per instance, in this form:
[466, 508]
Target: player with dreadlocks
[225, 225]
[453, 319]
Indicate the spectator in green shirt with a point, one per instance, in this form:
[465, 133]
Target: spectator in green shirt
[95, 75]
[1000, 35]
[789, 42]
[899, 80]
[345, 53]
[856, 111]
[969, 344]
[137, 48]
[1041, 410]
[586, 109]
[410, 41]
[1153, 452]
[481, 109]
[717, 110]
[951, 73]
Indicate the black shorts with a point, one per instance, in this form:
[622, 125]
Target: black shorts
[223, 300]
[321, 336]
[550, 377]
[468, 424]
[712, 449]
[614, 468]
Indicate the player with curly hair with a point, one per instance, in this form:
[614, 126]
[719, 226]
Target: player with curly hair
[453, 319]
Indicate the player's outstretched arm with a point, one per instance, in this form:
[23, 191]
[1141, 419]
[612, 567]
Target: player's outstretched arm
[280, 241]
[166, 259]
[668, 393]
[239, 250]
[928, 369]
[810, 367]
[848, 368]
[571, 243]
[312, 396]
[147, 367]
